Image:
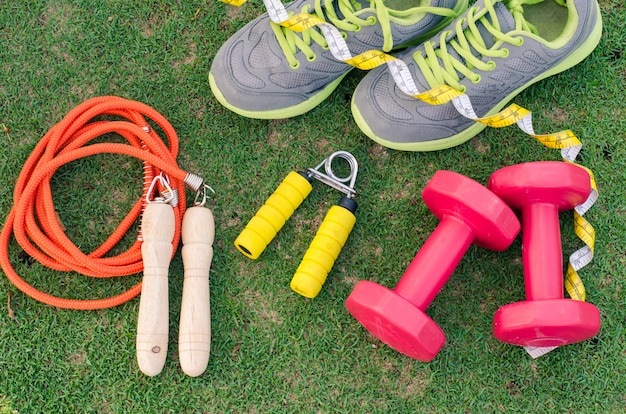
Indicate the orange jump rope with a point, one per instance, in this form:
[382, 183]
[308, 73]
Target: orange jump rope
[33, 219]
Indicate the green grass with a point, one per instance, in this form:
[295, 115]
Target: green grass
[272, 350]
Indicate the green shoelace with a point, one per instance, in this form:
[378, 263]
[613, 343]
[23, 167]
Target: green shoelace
[440, 67]
[291, 41]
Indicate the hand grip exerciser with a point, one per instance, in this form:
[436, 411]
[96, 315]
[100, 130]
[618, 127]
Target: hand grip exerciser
[330, 237]
[194, 340]
[153, 320]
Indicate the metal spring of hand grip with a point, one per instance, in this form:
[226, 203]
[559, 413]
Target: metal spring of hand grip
[331, 179]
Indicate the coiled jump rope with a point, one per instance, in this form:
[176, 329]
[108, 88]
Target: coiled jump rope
[33, 219]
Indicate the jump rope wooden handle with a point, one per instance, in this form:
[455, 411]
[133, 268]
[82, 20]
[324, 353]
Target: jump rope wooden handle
[194, 341]
[157, 230]
[272, 215]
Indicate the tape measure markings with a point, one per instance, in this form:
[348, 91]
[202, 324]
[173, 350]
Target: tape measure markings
[536, 352]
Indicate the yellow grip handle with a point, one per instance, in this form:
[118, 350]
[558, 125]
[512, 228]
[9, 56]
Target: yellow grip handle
[323, 251]
[271, 217]
[194, 337]
[157, 229]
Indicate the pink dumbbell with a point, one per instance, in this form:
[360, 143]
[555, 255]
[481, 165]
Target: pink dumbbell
[541, 190]
[469, 213]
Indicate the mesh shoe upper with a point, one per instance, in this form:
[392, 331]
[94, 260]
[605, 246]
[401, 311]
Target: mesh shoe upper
[267, 71]
[492, 60]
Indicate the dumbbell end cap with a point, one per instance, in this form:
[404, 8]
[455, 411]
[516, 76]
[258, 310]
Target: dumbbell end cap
[450, 194]
[559, 183]
[551, 322]
[395, 321]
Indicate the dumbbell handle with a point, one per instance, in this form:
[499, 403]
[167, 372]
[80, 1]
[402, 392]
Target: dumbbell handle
[542, 253]
[194, 340]
[273, 215]
[435, 261]
[153, 318]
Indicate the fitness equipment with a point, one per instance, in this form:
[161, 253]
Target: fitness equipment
[33, 219]
[157, 231]
[37, 228]
[194, 337]
[468, 213]
[330, 237]
[541, 190]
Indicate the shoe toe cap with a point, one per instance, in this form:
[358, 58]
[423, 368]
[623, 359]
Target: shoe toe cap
[387, 114]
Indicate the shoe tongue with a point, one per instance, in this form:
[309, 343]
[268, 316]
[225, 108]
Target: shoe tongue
[391, 4]
[402, 5]
[361, 4]
[505, 20]
[354, 4]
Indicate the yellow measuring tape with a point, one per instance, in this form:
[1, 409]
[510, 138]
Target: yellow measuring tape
[234, 2]
[565, 140]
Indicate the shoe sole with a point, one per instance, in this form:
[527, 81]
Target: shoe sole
[281, 113]
[318, 98]
[575, 58]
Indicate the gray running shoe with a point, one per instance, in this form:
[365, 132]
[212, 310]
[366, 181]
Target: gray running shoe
[491, 53]
[266, 71]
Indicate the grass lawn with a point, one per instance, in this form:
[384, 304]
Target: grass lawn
[274, 351]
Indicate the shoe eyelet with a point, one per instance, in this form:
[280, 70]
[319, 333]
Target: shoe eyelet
[463, 89]
[296, 65]
[476, 79]
[505, 53]
[520, 41]
[344, 35]
[492, 64]
[311, 58]
[371, 20]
